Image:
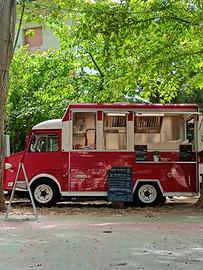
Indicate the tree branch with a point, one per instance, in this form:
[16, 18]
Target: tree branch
[161, 17]
[20, 23]
[96, 65]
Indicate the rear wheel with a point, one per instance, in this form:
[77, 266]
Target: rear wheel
[147, 194]
[45, 193]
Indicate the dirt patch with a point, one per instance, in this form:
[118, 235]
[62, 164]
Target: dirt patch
[176, 206]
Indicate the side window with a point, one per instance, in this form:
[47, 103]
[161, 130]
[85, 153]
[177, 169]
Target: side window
[44, 143]
[84, 130]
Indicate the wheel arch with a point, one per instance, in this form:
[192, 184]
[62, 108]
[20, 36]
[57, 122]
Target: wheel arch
[156, 181]
[47, 176]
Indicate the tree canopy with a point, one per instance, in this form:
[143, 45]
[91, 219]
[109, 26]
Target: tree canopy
[109, 51]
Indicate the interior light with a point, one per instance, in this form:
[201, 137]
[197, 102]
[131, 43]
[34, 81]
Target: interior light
[116, 114]
[150, 114]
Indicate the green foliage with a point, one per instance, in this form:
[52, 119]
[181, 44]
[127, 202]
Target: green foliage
[108, 50]
[150, 47]
[39, 89]
[30, 33]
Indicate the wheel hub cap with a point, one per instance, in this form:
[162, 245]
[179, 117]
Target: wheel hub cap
[147, 193]
[43, 193]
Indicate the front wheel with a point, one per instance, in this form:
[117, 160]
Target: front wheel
[147, 194]
[45, 193]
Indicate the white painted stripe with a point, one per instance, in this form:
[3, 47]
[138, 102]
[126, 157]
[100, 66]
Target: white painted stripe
[84, 193]
[184, 194]
[45, 175]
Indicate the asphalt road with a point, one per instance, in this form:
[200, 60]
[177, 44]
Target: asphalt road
[88, 241]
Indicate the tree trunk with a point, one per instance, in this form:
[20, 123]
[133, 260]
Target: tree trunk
[7, 30]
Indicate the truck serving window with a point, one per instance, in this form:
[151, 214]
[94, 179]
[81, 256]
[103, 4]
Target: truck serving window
[148, 123]
[115, 131]
[159, 131]
[44, 143]
[84, 130]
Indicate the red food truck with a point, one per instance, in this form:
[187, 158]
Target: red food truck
[72, 156]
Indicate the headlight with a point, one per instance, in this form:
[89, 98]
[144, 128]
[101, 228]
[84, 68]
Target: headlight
[8, 166]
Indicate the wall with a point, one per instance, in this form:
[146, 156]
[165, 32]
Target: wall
[48, 39]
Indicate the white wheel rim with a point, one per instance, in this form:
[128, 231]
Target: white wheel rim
[147, 193]
[43, 193]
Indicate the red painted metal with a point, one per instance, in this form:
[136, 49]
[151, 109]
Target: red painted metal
[172, 107]
[99, 116]
[134, 106]
[130, 116]
[67, 116]
[88, 170]
[93, 167]
[9, 175]
[173, 177]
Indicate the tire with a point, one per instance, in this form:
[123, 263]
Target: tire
[147, 194]
[162, 200]
[45, 192]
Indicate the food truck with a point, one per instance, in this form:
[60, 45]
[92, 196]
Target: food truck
[72, 157]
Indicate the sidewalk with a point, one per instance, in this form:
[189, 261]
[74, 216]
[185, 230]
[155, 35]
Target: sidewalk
[89, 242]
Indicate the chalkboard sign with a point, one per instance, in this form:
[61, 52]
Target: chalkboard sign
[120, 184]
[140, 152]
[185, 152]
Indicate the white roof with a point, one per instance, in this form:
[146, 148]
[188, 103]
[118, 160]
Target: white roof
[49, 124]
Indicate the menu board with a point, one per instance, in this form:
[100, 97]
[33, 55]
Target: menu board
[140, 152]
[185, 152]
[120, 184]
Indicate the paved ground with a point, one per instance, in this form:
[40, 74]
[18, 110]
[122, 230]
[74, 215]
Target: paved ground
[98, 237]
